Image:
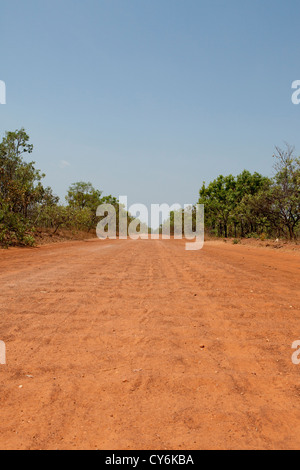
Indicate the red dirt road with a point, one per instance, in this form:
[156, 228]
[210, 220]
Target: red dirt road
[105, 347]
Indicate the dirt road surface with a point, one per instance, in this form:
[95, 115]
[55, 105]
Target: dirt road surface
[143, 345]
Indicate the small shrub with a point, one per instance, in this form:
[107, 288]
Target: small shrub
[252, 235]
[28, 240]
[262, 237]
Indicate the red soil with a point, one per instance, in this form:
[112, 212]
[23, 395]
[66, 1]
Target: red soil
[143, 345]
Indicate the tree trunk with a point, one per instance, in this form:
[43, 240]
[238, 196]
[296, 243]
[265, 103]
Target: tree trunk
[225, 231]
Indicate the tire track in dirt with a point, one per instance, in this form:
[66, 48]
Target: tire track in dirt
[111, 335]
[244, 382]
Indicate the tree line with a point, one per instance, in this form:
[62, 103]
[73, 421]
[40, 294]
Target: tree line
[252, 205]
[246, 205]
[26, 204]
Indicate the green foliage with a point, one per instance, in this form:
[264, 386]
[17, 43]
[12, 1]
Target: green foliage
[20, 188]
[14, 228]
[253, 205]
[224, 200]
[284, 198]
[86, 199]
[25, 203]
[248, 205]
[82, 195]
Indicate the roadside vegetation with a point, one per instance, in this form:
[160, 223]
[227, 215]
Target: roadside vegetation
[251, 205]
[246, 205]
[27, 205]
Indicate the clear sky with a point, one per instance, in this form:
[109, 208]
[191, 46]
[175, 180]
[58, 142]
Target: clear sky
[148, 98]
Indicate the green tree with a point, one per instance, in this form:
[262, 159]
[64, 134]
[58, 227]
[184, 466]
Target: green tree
[225, 200]
[84, 196]
[247, 186]
[219, 198]
[280, 204]
[20, 187]
[286, 189]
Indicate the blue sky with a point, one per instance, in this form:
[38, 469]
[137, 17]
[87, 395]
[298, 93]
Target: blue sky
[149, 98]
